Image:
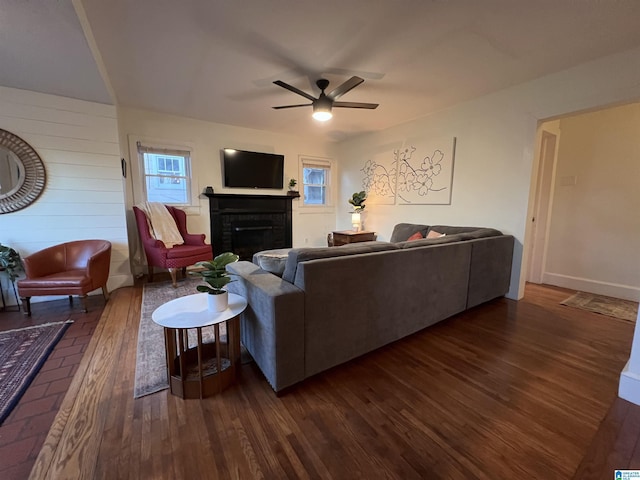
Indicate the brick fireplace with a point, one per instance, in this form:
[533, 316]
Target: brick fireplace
[246, 224]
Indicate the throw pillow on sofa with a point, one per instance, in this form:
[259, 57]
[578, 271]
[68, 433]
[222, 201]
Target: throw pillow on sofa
[402, 231]
[435, 234]
[415, 236]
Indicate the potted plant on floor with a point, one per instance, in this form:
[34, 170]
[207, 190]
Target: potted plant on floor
[214, 272]
[10, 262]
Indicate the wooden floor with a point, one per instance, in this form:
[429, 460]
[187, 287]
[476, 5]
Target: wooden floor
[506, 390]
[24, 431]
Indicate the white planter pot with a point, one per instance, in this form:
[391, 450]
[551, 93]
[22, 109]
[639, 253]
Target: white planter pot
[218, 303]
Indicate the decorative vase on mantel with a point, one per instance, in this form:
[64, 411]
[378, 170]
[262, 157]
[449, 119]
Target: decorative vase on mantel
[218, 302]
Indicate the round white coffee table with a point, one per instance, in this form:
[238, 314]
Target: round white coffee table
[203, 369]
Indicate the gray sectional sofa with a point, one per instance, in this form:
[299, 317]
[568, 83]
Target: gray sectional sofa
[334, 304]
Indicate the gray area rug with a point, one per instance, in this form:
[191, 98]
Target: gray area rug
[612, 307]
[151, 366]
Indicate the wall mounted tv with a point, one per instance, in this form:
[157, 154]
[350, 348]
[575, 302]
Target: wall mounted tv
[244, 169]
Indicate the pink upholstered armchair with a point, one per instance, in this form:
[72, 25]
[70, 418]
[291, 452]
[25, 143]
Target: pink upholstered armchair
[178, 257]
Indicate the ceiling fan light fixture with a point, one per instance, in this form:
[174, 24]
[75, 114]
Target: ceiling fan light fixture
[322, 108]
[323, 105]
[322, 114]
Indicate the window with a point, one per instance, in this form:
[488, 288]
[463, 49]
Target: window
[316, 179]
[167, 174]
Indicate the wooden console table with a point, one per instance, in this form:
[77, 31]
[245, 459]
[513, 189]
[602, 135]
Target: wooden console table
[350, 236]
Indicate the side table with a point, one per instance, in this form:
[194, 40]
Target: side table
[351, 236]
[204, 369]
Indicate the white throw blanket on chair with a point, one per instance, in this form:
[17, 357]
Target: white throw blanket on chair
[162, 226]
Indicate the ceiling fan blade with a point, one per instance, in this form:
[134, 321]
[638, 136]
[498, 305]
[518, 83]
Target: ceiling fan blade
[352, 83]
[293, 106]
[294, 89]
[370, 106]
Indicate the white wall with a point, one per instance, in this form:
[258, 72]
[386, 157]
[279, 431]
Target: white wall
[83, 196]
[594, 231]
[206, 139]
[495, 144]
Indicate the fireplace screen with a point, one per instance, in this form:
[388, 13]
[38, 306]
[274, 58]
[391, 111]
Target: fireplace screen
[249, 237]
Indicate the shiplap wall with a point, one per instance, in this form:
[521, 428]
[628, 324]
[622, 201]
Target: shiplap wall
[84, 192]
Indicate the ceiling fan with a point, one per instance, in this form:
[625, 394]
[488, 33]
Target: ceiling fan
[326, 101]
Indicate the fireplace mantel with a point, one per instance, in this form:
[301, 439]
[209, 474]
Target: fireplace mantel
[227, 210]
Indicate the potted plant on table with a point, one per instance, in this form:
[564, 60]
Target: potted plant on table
[357, 201]
[292, 188]
[214, 272]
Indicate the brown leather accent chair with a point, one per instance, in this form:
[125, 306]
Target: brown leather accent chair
[72, 268]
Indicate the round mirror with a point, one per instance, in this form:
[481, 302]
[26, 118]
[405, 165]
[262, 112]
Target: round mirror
[22, 173]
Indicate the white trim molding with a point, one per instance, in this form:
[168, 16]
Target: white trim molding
[626, 292]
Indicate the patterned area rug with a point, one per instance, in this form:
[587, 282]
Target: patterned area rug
[22, 352]
[151, 368]
[612, 307]
[151, 364]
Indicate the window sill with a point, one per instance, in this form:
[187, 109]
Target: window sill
[308, 209]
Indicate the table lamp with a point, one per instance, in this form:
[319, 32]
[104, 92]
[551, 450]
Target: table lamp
[356, 222]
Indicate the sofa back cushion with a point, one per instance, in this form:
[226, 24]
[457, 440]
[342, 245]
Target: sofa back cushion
[297, 255]
[402, 231]
[467, 233]
[431, 241]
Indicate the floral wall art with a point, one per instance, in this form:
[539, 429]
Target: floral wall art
[380, 177]
[419, 173]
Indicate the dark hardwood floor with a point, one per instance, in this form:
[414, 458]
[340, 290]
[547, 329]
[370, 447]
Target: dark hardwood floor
[505, 390]
[24, 431]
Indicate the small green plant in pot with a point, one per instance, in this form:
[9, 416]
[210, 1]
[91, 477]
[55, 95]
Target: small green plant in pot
[10, 261]
[357, 200]
[214, 272]
[292, 184]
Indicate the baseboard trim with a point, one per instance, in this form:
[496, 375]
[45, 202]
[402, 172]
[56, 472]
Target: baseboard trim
[626, 292]
[629, 387]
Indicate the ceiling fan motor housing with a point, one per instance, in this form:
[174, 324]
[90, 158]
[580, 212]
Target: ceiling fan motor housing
[322, 84]
[323, 102]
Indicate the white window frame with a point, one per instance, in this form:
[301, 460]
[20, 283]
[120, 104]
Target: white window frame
[160, 147]
[306, 161]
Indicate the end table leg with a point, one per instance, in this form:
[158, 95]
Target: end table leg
[199, 347]
[218, 346]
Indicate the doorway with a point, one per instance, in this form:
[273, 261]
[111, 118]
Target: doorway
[543, 200]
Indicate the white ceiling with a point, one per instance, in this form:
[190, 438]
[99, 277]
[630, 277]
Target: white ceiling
[216, 60]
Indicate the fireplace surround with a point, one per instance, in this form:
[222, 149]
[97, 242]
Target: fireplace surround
[247, 224]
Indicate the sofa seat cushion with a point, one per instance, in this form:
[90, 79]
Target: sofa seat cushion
[273, 261]
[297, 255]
[402, 231]
[181, 251]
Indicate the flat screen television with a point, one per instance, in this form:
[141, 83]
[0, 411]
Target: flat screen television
[244, 169]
